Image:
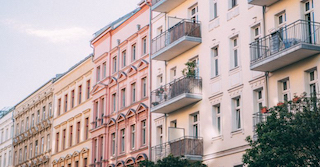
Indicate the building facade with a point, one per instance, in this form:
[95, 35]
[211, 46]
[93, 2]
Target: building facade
[6, 135]
[32, 132]
[120, 130]
[71, 141]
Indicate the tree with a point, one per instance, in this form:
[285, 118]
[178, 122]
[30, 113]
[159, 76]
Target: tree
[171, 161]
[289, 137]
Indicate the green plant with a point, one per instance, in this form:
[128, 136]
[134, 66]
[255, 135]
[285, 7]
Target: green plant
[190, 70]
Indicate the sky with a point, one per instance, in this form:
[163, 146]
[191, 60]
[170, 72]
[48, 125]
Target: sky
[42, 38]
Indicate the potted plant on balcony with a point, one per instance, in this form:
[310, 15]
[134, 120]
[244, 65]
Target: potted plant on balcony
[264, 110]
[280, 104]
[190, 70]
[296, 99]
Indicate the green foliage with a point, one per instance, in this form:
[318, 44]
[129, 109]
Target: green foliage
[289, 137]
[172, 161]
[189, 71]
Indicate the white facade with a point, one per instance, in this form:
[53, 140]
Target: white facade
[6, 134]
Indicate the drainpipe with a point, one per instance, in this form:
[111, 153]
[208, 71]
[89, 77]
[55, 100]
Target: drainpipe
[117, 99]
[150, 80]
[266, 74]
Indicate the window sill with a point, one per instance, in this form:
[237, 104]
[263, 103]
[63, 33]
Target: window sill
[220, 137]
[233, 7]
[214, 78]
[213, 19]
[238, 131]
[234, 70]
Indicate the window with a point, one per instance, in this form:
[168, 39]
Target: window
[85, 161]
[144, 87]
[195, 124]
[4, 160]
[17, 130]
[32, 120]
[30, 149]
[280, 19]
[10, 158]
[42, 145]
[197, 68]
[214, 62]
[123, 97]
[259, 100]
[77, 164]
[312, 78]
[98, 73]
[72, 98]
[25, 153]
[20, 155]
[114, 62]
[88, 89]
[50, 109]
[7, 131]
[133, 92]
[122, 140]
[15, 158]
[64, 139]
[194, 13]
[38, 116]
[159, 80]
[235, 54]
[213, 9]
[144, 46]
[113, 143]
[66, 103]
[101, 148]
[173, 124]
[87, 128]
[173, 73]
[124, 58]
[233, 3]
[97, 112]
[133, 132]
[160, 135]
[43, 112]
[59, 107]
[102, 110]
[216, 119]
[144, 130]
[22, 129]
[284, 89]
[70, 135]
[36, 148]
[133, 48]
[114, 98]
[57, 143]
[104, 70]
[80, 93]
[236, 113]
[48, 142]
[78, 132]
[159, 30]
[96, 150]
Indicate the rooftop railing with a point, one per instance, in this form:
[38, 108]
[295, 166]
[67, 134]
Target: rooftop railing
[181, 29]
[300, 31]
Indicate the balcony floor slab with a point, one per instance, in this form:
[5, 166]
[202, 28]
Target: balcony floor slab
[164, 6]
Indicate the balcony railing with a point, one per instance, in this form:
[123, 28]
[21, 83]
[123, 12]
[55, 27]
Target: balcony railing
[301, 33]
[171, 39]
[170, 91]
[258, 117]
[188, 147]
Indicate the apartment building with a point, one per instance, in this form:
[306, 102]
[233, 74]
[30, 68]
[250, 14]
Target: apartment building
[6, 135]
[32, 128]
[120, 126]
[71, 140]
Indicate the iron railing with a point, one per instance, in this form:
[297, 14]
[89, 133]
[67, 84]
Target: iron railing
[181, 147]
[258, 117]
[181, 29]
[176, 88]
[300, 31]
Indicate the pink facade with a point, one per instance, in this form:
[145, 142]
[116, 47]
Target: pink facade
[120, 94]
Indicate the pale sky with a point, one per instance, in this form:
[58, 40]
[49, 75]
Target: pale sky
[42, 38]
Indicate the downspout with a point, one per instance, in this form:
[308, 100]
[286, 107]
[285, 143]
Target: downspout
[117, 98]
[266, 74]
[150, 80]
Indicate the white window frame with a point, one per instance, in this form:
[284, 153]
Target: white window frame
[313, 82]
[122, 140]
[216, 119]
[215, 61]
[284, 91]
[237, 118]
[133, 132]
[235, 56]
[194, 16]
[195, 123]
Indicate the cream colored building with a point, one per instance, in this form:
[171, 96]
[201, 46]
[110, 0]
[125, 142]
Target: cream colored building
[32, 124]
[6, 135]
[71, 142]
[208, 117]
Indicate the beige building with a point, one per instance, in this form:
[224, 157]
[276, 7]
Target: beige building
[247, 54]
[71, 142]
[32, 128]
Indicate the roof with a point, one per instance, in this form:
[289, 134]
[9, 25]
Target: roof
[5, 111]
[113, 25]
[59, 76]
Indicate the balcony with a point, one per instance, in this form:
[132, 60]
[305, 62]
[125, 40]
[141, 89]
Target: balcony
[262, 2]
[165, 6]
[177, 94]
[181, 37]
[188, 147]
[286, 46]
[258, 117]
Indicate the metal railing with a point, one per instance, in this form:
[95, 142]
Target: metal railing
[181, 29]
[176, 88]
[258, 117]
[187, 145]
[300, 31]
